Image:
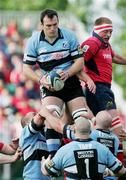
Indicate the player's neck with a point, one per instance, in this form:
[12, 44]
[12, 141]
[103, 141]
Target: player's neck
[79, 136]
[51, 39]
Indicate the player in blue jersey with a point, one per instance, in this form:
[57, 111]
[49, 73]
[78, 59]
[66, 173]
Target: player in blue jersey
[55, 48]
[33, 145]
[101, 133]
[82, 158]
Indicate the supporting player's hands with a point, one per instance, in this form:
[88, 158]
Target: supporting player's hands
[91, 85]
[44, 112]
[17, 155]
[15, 143]
[108, 172]
[43, 162]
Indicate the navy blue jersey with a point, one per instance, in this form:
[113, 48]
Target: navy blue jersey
[58, 55]
[33, 144]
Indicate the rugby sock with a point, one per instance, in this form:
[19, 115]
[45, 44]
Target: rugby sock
[116, 123]
[53, 138]
[53, 141]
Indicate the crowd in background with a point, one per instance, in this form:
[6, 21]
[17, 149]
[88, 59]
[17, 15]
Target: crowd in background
[17, 94]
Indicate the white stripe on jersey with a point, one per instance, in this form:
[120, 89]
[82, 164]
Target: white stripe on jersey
[30, 149]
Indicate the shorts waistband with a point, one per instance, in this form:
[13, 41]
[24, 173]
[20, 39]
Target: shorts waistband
[106, 84]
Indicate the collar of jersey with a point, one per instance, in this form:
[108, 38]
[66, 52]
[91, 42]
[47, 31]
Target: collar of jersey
[83, 140]
[42, 36]
[100, 39]
[103, 130]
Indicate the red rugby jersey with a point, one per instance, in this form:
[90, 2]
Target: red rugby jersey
[98, 59]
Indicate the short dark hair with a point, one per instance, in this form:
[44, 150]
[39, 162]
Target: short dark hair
[48, 12]
[102, 20]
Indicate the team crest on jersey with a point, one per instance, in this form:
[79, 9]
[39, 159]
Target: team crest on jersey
[79, 50]
[85, 48]
[65, 44]
[50, 164]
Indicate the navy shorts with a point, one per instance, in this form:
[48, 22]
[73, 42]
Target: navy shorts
[103, 99]
[72, 89]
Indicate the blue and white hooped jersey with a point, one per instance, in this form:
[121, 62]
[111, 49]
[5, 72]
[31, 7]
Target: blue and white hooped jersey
[83, 159]
[107, 138]
[33, 145]
[58, 55]
[68, 132]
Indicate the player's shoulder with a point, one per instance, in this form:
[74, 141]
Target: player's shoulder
[35, 35]
[34, 39]
[114, 136]
[91, 41]
[67, 32]
[100, 146]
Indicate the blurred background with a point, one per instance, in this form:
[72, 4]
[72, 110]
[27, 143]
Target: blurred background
[18, 19]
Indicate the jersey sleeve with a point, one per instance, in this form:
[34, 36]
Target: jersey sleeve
[89, 48]
[28, 135]
[75, 49]
[30, 54]
[68, 132]
[94, 135]
[113, 163]
[55, 165]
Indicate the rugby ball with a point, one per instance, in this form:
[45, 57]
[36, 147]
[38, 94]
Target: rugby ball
[54, 79]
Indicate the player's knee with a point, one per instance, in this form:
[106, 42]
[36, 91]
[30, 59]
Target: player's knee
[82, 112]
[79, 112]
[56, 110]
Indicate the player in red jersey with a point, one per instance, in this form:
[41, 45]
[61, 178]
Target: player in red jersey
[98, 57]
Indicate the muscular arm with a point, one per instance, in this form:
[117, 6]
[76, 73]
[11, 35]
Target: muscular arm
[88, 81]
[5, 159]
[38, 121]
[7, 149]
[29, 73]
[77, 66]
[35, 76]
[117, 59]
[55, 122]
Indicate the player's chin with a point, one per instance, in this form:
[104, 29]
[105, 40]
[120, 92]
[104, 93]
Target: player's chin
[106, 40]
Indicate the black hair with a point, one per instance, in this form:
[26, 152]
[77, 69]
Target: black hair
[50, 13]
